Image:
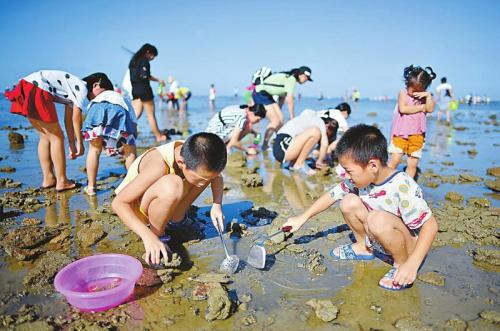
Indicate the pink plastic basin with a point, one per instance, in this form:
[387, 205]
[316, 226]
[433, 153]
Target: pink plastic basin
[98, 282]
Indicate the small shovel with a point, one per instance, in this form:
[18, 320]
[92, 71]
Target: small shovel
[257, 256]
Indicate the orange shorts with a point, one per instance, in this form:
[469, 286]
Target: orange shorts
[412, 145]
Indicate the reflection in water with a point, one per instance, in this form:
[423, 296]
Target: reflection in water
[440, 139]
[58, 213]
[364, 295]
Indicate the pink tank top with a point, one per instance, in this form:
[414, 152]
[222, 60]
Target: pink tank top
[404, 125]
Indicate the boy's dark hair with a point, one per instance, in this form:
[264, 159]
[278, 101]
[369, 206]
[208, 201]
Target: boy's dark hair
[417, 74]
[344, 106]
[362, 143]
[98, 77]
[443, 80]
[206, 150]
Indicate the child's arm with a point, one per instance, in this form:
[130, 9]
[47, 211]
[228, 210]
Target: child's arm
[122, 206]
[70, 130]
[234, 141]
[429, 101]
[290, 104]
[408, 109]
[407, 272]
[320, 205]
[77, 128]
[323, 147]
[217, 186]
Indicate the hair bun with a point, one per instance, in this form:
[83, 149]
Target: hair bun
[430, 72]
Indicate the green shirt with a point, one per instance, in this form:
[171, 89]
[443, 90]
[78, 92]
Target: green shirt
[286, 84]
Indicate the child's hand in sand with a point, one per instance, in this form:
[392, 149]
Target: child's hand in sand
[295, 222]
[155, 248]
[217, 216]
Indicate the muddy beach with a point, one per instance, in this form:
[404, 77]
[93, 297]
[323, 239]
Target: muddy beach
[300, 287]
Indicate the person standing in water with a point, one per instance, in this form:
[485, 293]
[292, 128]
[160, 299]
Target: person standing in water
[444, 95]
[281, 84]
[142, 94]
[211, 97]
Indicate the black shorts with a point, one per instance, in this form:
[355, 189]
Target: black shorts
[142, 91]
[188, 96]
[280, 146]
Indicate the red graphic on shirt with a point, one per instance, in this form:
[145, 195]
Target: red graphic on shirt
[378, 194]
[417, 221]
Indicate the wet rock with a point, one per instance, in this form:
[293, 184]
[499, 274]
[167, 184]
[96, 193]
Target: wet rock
[88, 235]
[36, 325]
[466, 178]
[174, 262]
[149, 278]
[491, 315]
[472, 152]
[455, 325]
[211, 277]
[219, 304]
[433, 278]
[40, 278]
[494, 171]
[478, 202]
[487, 255]
[411, 324]
[376, 308]
[16, 138]
[23, 243]
[9, 183]
[252, 180]
[200, 292]
[431, 184]
[371, 114]
[493, 185]
[248, 320]
[454, 197]
[31, 221]
[236, 229]
[7, 169]
[314, 262]
[246, 298]
[236, 160]
[259, 213]
[295, 249]
[325, 309]
[25, 200]
[447, 163]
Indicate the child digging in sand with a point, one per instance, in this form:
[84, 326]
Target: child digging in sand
[34, 97]
[110, 125]
[162, 183]
[383, 207]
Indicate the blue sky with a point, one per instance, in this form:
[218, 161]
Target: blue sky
[365, 44]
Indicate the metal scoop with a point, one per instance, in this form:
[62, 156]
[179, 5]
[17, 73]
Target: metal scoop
[257, 256]
[231, 262]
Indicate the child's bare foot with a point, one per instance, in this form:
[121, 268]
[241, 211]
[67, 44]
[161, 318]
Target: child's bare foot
[89, 190]
[48, 183]
[67, 185]
[304, 169]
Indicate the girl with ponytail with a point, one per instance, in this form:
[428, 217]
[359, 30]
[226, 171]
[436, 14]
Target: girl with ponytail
[409, 119]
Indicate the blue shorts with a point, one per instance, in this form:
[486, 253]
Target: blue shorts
[262, 98]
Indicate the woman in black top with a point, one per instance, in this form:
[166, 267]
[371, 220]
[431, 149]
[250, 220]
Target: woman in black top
[142, 94]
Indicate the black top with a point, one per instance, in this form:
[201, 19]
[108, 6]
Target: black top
[140, 71]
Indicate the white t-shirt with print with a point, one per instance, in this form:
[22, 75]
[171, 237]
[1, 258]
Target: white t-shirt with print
[61, 84]
[399, 195]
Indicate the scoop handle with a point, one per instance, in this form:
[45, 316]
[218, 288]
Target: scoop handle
[287, 228]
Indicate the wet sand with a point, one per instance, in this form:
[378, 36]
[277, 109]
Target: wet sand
[300, 287]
